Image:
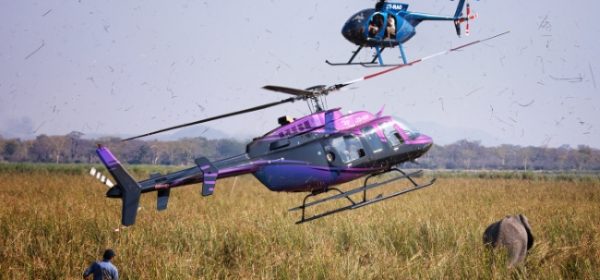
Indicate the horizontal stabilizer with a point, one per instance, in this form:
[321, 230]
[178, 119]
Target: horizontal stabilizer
[210, 174]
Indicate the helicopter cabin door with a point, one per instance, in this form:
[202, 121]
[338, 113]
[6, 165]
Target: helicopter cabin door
[381, 139]
[376, 147]
[392, 136]
[344, 151]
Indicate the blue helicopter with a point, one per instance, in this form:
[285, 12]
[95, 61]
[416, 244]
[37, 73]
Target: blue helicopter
[391, 24]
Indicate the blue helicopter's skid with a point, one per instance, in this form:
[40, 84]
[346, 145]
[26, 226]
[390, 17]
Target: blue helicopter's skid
[350, 61]
[377, 57]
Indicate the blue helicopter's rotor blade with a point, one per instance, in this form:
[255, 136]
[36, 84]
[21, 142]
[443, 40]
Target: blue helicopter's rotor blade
[338, 86]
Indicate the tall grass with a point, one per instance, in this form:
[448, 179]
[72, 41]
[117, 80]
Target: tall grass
[53, 224]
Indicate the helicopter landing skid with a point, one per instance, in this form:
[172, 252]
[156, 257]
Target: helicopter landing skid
[379, 65]
[363, 64]
[372, 63]
[364, 202]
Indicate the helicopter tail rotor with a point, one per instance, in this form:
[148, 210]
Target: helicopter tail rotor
[459, 18]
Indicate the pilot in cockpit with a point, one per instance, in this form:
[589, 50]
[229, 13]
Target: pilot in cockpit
[390, 30]
[375, 25]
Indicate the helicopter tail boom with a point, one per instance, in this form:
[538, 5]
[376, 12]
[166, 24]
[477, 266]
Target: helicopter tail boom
[129, 188]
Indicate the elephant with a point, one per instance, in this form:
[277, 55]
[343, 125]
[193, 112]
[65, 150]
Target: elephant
[512, 232]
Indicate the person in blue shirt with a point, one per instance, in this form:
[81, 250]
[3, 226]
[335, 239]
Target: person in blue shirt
[103, 270]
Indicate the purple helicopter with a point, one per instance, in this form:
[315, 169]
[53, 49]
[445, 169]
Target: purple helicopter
[310, 154]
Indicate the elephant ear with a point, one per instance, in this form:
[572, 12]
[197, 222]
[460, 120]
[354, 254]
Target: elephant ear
[525, 223]
[491, 234]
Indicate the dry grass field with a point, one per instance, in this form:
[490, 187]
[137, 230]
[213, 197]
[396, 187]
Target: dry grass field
[53, 223]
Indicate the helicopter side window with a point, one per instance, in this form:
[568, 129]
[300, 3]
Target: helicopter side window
[354, 149]
[348, 148]
[371, 135]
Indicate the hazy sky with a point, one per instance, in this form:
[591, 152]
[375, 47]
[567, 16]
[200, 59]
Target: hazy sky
[129, 67]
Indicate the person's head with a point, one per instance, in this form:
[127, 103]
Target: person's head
[108, 254]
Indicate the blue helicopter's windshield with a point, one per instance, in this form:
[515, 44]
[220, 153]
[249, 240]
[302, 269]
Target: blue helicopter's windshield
[408, 129]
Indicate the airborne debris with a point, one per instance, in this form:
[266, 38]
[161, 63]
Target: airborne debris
[592, 73]
[35, 51]
[526, 104]
[577, 79]
[473, 91]
[545, 24]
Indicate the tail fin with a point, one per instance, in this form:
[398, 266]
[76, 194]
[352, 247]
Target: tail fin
[130, 188]
[459, 8]
[458, 15]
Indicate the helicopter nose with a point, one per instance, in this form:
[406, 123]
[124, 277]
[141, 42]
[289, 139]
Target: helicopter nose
[428, 140]
[352, 31]
[425, 143]
[347, 32]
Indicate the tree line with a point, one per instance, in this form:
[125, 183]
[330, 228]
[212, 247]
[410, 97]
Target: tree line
[471, 155]
[463, 154]
[73, 148]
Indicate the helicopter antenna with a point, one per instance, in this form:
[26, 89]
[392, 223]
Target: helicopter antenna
[314, 94]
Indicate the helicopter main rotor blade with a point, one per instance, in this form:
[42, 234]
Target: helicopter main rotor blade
[301, 94]
[338, 86]
[288, 90]
[252, 109]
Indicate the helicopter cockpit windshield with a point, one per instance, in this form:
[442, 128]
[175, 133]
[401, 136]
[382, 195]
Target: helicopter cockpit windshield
[408, 129]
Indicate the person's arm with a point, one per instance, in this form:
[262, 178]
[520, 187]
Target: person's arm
[89, 270]
[116, 276]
